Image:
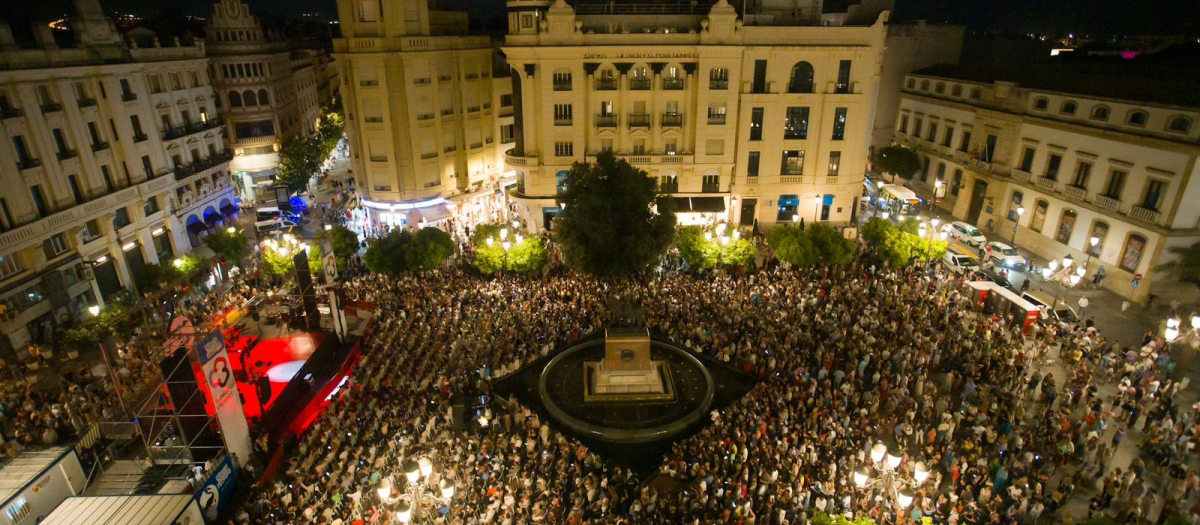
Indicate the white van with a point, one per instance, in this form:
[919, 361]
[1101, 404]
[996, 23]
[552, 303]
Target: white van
[1062, 313]
[273, 225]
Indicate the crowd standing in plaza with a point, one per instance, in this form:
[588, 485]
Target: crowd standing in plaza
[847, 357]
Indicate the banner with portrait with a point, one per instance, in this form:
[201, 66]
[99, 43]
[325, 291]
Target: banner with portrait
[218, 376]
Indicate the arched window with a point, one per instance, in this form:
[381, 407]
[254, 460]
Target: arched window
[940, 88]
[1099, 233]
[1137, 118]
[802, 78]
[235, 99]
[560, 181]
[1100, 113]
[1131, 257]
[956, 90]
[1039, 216]
[521, 182]
[1066, 226]
[912, 83]
[976, 93]
[669, 182]
[1013, 204]
[262, 97]
[1068, 108]
[249, 98]
[1180, 124]
[924, 85]
[1041, 103]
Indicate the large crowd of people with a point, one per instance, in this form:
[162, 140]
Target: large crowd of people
[1009, 423]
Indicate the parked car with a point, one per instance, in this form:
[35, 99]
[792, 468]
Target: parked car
[959, 263]
[271, 225]
[1062, 314]
[991, 275]
[967, 234]
[1005, 256]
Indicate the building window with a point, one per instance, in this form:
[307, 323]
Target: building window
[1154, 193]
[792, 163]
[940, 88]
[564, 149]
[839, 123]
[1116, 185]
[835, 163]
[932, 132]
[956, 90]
[752, 164]
[1027, 159]
[964, 144]
[121, 219]
[669, 183]
[560, 182]
[1100, 113]
[1068, 108]
[802, 78]
[1052, 165]
[1131, 257]
[562, 114]
[1179, 125]
[796, 125]
[956, 183]
[506, 133]
[904, 124]
[147, 167]
[711, 184]
[718, 78]
[1066, 226]
[1100, 233]
[1082, 174]
[843, 80]
[911, 84]
[562, 80]
[1137, 118]
[756, 123]
[787, 208]
[1039, 216]
[948, 138]
[918, 125]
[151, 206]
[924, 85]
[39, 201]
[925, 169]
[606, 145]
[639, 146]
[506, 100]
[76, 192]
[9, 267]
[1013, 204]
[976, 93]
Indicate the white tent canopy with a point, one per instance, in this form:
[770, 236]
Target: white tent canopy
[127, 510]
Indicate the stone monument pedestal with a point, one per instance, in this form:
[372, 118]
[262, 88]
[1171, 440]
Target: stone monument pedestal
[627, 373]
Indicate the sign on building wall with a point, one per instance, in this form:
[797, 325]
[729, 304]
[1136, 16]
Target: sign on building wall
[217, 491]
[218, 375]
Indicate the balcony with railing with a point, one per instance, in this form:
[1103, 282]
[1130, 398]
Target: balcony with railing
[562, 86]
[183, 171]
[67, 154]
[639, 120]
[425, 116]
[1142, 213]
[1075, 192]
[672, 120]
[791, 179]
[716, 120]
[639, 84]
[1047, 183]
[26, 164]
[1021, 175]
[99, 146]
[606, 84]
[606, 121]
[718, 84]
[1108, 203]
[87, 102]
[512, 159]
[8, 113]
[561, 121]
[128, 97]
[672, 84]
[51, 107]
[140, 137]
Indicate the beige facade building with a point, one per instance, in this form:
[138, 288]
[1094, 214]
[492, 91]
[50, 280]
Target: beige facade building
[421, 107]
[268, 90]
[114, 159]
[766, 121]
[1107, 153]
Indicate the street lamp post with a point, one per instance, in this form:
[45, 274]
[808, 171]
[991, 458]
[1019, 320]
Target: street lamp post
[1092, 242]
[878, 195]
[410, 505]
[1066, 277]
[888, 478]
[1017, 224]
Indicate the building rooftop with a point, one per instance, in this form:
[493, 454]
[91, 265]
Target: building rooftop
[1142, 80]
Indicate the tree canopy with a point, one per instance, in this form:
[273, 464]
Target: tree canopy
[899, 161]
[901, 245]
[1185, 267]
[345, 244]
[230, 247]
[817, 244]
[703, 253]
[300, 158]
[402, 250]
[614, 219]
[527, 256]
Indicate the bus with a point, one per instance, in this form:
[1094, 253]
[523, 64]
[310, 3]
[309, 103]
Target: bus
[901, 202]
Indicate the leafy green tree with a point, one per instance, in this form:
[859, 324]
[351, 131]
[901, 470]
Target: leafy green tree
[821, 518]
[793, 245]
[875, 230]
[316, 263]
[345, 244]
[898, 161]
[299, 159]
[528, 256]
[900, 245]
[386, 254]
[831, 246]
[1186, 265]
[702, 253]
[276, 265]
[401, 250]
[614, 220]
[229, 246]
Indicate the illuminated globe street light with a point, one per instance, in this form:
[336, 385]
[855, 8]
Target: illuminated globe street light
[888, 479]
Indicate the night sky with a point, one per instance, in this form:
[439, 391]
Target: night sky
[1042, 16]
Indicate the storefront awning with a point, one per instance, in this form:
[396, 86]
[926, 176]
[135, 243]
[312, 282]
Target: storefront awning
[196, 227]
[229, 209]
[213, 218]
[699, 204]
[433, 214]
